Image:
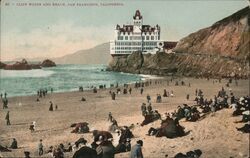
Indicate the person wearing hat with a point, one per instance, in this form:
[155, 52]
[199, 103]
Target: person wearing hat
[136, 151]
[26, 154]
[84, 151]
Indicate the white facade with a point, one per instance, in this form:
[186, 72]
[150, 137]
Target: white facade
[136, 37]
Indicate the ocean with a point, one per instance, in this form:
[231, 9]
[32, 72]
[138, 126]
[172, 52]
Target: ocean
[62, 78]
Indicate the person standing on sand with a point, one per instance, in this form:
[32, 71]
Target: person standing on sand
[143, 109]
[136, 151]
[141, 90]
[149, 108]
[130, 90]
[7, 118]
[110, 117]
[148, 98]
[40, 148]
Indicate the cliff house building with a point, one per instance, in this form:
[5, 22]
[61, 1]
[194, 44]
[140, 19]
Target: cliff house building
[136, 37]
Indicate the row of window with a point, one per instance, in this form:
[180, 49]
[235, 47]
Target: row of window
[138, 37]
[135, 43]
[144, 33]
[122, 52]
[132, 48]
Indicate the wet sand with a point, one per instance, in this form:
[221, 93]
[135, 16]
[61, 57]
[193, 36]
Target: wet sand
[215, 135]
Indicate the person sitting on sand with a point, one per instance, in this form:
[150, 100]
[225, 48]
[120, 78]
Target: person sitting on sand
[85, 151]
[13, 144]
[70, 148]
[94, 90]
[172, 94]
[26, 154]
[136, 151]
[83, 99]
[165, 93]
[58, 152]
[51, 106]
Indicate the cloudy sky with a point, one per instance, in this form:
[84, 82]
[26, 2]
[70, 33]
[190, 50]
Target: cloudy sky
[31, 31]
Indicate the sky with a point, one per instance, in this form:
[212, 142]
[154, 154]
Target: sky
[54, 28]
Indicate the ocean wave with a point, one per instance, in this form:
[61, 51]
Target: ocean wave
[79, 67]
[25, 73]
[144, 77]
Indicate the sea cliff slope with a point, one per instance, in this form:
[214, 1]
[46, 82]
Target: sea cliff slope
[221, 50]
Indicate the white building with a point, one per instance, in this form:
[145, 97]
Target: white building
[136, 37]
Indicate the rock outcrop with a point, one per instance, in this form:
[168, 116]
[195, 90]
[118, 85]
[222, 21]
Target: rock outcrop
[2, 65]
[183, 65]
[221, 50]
[24, 65]
[48, 63]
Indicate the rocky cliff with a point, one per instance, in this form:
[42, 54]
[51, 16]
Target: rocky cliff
[228, 37]
[2, 65]
[182, 65]
[221, 50]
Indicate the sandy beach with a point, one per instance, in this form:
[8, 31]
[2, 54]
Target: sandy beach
[215, 136]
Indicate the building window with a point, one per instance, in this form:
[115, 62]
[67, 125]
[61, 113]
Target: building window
[120, 37]
[152, 37]
[126, 37]
[143, 37]
[147, 37]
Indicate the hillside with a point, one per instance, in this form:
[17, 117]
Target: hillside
[96, 55]
[228, 37]
[221, 50]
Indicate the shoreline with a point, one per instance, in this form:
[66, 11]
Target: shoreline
[54, 127]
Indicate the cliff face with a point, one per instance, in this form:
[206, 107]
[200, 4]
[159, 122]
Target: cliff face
[184, 65]
[221, 50]
[228, 37]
